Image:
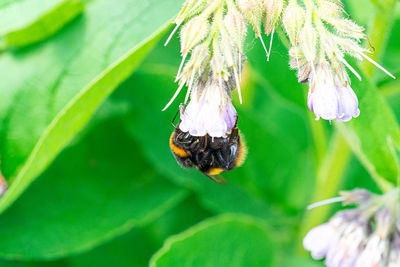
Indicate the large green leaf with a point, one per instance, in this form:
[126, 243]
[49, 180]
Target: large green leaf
[29, 21]
[136, 247]
[51, 90]
[228, 240]
[93, 192]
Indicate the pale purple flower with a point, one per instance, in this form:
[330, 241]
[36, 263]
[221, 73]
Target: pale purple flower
[210, 111]
[330, 97]
[365, 236]
[374, 254]
[345, 251]
[394, 257]
[319, 239]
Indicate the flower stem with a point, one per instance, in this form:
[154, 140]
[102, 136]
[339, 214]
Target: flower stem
[328, 180]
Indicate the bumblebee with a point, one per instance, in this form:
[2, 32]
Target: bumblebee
[210, 155]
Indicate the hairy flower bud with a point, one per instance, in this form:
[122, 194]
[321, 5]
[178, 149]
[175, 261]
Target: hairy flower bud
[190, 8]
[252, 10]
[293, 20]
[308, 41]
[193, 33]
[329, 10]
[356, 196]
[273, 12]
[348, 28]
[236, 27]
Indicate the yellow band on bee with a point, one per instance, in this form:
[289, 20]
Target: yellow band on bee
[177, 150]
[242, 152]
[215, 171]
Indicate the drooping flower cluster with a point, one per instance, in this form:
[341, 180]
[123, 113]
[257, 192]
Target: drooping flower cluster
[320, 39]
[213, 33]
[365, 236]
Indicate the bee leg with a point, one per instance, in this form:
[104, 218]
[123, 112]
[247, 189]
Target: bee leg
[173, 120]
[221, 158]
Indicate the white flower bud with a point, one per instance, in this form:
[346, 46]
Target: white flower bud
[303, 73]
[329, 10]
[252, 10]
[293, 19]
[348, 28]
[193, 33]
[273, 12]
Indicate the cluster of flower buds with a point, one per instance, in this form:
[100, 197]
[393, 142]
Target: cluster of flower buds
[365, 236]
[213, 32]
[320, 39]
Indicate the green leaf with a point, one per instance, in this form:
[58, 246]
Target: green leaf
[132, 249]
[374, 134]
[52, 90]
[136, 247]
[228, 240]
[94, 191]
[30, 21]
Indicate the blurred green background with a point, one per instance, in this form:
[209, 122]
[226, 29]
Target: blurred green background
[84, 144]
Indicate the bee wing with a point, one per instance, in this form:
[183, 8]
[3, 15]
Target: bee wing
[219, 179]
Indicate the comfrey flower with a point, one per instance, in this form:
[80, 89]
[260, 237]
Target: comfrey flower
[320, 39]
[210, 110]
[365, 236]
[213, 32]
[330, 96]
[214, 37]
